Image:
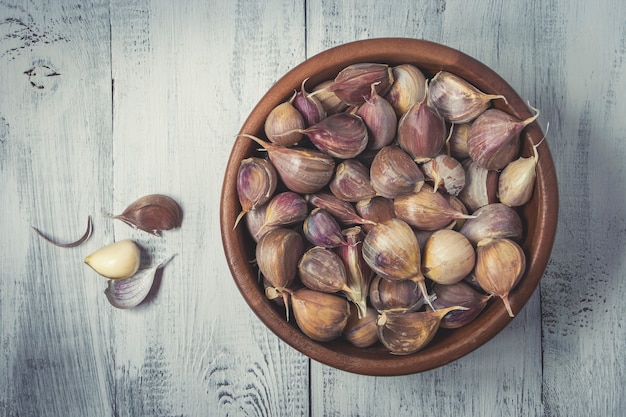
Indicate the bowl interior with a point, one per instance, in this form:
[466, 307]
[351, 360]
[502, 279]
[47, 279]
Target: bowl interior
[539, 216]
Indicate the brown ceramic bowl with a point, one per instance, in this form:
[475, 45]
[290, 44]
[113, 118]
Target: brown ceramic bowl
[539, 215]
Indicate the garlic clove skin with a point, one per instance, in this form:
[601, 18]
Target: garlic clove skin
[493, 221]
[358, 271]
[130, 292]
[283, 124]
[446, 172]
[457, 100]
[353, 83]
[394, 173]
[302, 170]
[448, 257]
[277, 255]
[361, 332]
[408, 88]
[406, 333]
[351, 182]
[517, 180]
[153, 213]
[118, 260]
[500, 264]
[320, 316]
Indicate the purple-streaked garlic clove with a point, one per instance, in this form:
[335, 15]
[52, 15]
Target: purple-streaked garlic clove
[321, 229]
[408, 88]
[353, 83]
[493, 221]
[398, 296]
[256, 183]
[351, 182]
[309, 106]
[343, 211]
[458, 294]
[284, 209]
[340, 135]
[393, 173]
[283, 124]
[380, 119]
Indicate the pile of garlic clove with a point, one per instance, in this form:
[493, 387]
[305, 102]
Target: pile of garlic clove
[384, 205]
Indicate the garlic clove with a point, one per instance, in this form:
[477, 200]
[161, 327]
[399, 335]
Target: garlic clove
[321, 229]
[457, 142]
[480, 186]
[500, 264]
[394, 173]
[395, 296]
[353, 83]
[283, 124]
[115, 261]
[321, 269]
[379, 118]
[493, 221]
[458, 294]
[446, 172]
[351, 182]
[152, 213]
[130, 292]
[277, 255]
[256, 183]
[421, 131]
[359, 273]
[494, 138]
[517, 180]
[361, 332]
[309, 106]
[329, 100]
[406, 333]
[320, 316]
[284, 209]
[407, 89]
[302, 170]
[457, 100]
[448, 257]
[341, 135]
[376, 210]
[344, 212]
[426, 210]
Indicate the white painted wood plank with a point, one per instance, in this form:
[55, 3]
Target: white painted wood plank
[55, 165]
[186, 76]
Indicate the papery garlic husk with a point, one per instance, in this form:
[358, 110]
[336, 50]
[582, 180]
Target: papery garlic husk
[359, 273]
[493, 221]
[480, 188]
[118, 260]
[343, 211]
[321, 229]
[361, 332]
[380, 119]
[426, 210]
[329, 100]
[448, 257]
[283, 124]
[376, 210]
[309, 106]
[408, 88]
[500, 264]
[284, 209]
[277, 255]
[394, 173]
[340, 135]
[256, 183]
[392, 251]
[422, 131]
[130, 292]
[321, 269]
[494, 139]
[457, 142]
[152, 213]
[320, 316]
[302, 170]
[351, 182]
[456, 99]
[517, 180]
[396, 296]
[446, 172]
[458, 294]
[406, 333]
[353, 83]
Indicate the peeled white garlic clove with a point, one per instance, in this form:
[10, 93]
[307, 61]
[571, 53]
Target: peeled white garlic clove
[115, 261]
[130, 292]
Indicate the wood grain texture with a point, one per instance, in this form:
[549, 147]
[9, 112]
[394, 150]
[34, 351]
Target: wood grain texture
[105, 101]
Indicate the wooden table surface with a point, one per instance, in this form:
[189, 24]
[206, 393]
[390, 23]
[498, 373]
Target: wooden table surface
[105, 101]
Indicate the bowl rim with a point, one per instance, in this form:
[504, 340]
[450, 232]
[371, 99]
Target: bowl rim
[540, 230]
